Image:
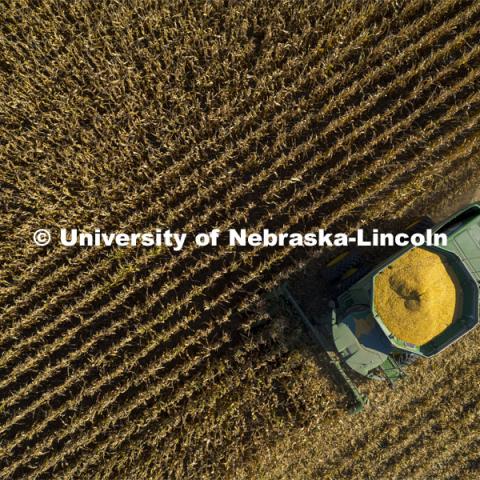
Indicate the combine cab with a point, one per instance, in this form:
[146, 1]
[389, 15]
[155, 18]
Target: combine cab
[357, 338]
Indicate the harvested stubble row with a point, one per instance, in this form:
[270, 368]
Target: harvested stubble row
[416, 296]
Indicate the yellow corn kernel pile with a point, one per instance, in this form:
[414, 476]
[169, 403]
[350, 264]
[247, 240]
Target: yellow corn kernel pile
[417, 296]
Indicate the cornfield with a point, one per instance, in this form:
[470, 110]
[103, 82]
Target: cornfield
[130, 115]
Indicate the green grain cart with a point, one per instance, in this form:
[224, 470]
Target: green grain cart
[374, 352]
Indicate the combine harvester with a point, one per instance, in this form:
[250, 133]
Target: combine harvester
[372, 350]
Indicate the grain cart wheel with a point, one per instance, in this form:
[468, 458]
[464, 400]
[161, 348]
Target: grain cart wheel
[342, 266]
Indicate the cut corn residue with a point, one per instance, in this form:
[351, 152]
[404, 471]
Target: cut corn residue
[416, 296]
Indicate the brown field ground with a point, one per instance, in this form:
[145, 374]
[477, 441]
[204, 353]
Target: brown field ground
[126, 115]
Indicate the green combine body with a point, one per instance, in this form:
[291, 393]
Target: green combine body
[373, 351]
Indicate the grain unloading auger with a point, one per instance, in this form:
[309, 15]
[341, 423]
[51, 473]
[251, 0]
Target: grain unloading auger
[354, 335]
